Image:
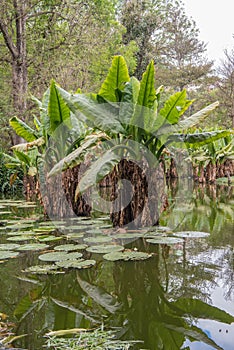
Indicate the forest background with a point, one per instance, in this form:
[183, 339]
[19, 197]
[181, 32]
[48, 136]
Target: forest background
[73, 41]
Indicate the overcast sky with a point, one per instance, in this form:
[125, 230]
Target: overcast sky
[215, 19]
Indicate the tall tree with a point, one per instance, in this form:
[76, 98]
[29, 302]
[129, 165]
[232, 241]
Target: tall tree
[226, 86]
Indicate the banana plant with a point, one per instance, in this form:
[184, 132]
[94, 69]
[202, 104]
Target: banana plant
[126, 109]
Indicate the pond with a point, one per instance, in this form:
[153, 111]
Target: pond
[178, 293]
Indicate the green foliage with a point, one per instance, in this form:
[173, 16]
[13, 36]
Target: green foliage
[11, 181]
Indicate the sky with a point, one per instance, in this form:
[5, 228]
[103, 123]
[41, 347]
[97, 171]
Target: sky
[215, 20]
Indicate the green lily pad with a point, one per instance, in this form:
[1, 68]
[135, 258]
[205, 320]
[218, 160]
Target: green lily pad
[97, 239]
[76, 227]
[9, 246]
[191, 234]
[6, 254]
[44, 229]
[70, 247]
[76, 263]
[20, 238]
[49, 238]
[127, 235]
[74, 235]
[161, 229]
[5, 212]
[59, 256]
[33, 246]
[104, 249]
[165, 240]
[20, 226]
[95, 231]
[41, 269]
[126, 256]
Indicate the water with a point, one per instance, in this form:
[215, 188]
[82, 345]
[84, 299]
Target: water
[172, 301]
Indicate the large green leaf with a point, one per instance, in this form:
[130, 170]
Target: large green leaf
[144, 113]
[25, 146]
[22, 129]
[199, 139]
[57, 108]
[24, 158]
[116, 78]
[147, 93]
[97, 171]
[84, 107]
[175, 107]
[129, 100]
[100, 296]
[199, 309]
[198, 117]
[77, 156]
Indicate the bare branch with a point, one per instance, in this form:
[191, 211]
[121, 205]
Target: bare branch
[8, 40]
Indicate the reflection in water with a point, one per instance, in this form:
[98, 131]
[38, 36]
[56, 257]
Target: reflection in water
[181, 298]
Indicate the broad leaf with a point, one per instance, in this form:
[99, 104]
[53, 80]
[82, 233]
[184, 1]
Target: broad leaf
[145, 109]
[85, 108]
[25, 146]
[199, 309]
[22, 129]
[199, 139]
[100, 296]
[198, 117]
[24, 158]
[116, 78]
[57, 108]
[175, 107]
[77, 156]
[129, 100]
[97, 171]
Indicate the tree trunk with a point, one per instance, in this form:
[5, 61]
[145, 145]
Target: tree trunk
[140, 198]
[18, 54]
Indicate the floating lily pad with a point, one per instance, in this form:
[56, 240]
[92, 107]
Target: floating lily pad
[98, 239]
[165, 240]
[70, 247]
[49, 238]
[5, 212]
[74, 235]
[20, 238]
[44, 229]
[191, 234]
[33, 246]
[76, 227]
[104, 249]
[127, 235]
[9, 246]
[6, 254]
[59, 256]
[161, 229]
[126, 256]
[95, 231]
[77, 264]
[20, 226]
[42, 269]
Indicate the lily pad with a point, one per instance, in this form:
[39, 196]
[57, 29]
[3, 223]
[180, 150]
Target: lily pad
[49, 238]
[20, 238]
[165, 240]
[104, 249]
[42, 269]
[59, 256]
[6, 254]
[9, 246]
[44, 229]
[74, 235]
[97, 239]
[70, 247]
[126, 256]
[95, 231]
[191, 234]
[76, 263]
[5, 212]
[33, 246]
[127, 235]
[162, 229]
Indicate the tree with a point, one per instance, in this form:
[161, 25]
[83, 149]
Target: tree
[45, 39]
[226, 86]
[183, 54]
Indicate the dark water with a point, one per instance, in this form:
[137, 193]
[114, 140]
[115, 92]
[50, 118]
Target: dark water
[142, 300]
